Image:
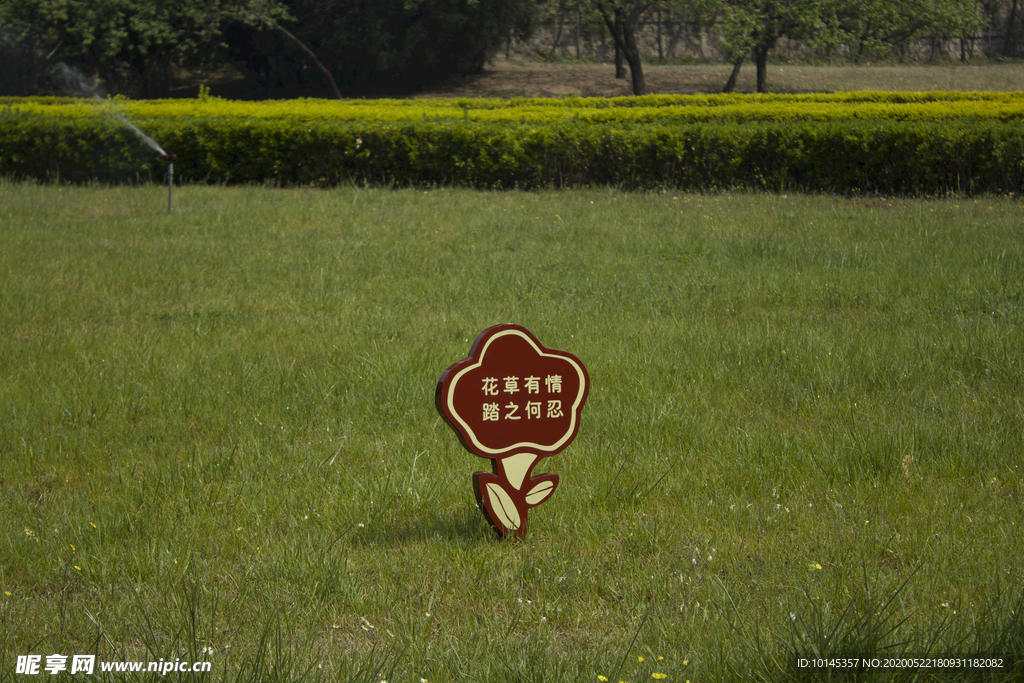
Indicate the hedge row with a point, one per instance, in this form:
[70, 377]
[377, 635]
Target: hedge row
[650, 109]
[846, 156]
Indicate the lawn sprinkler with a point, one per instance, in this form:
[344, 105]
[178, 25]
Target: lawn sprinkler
[170, 178]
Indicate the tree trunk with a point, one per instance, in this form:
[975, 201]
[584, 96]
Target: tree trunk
[863, 43]
[623, 31]
[558, 35]
[675, 32]
[577, 29]
[636, 68]
[761, 59]
[661, 53]
[1008, 42]
[620, 67]
[730, 85]
[620, 64]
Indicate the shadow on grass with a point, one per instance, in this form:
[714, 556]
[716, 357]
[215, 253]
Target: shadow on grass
[463, 525]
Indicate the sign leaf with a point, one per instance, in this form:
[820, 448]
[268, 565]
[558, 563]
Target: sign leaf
[503, 507]
[539, 493]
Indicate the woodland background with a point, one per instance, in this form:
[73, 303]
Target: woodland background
[325, 48]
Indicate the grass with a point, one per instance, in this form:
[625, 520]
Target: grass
[517, 79]
[889, 77]
[804, 434]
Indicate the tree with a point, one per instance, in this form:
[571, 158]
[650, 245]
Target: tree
[1012, 29]
[949, 19]
[374, 48]
[622, 17]
[129, 44]
[873, 28]
[755, 26]
[686, 20]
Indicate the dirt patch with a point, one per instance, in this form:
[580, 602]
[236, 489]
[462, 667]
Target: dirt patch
[503, 79]
[510, 79]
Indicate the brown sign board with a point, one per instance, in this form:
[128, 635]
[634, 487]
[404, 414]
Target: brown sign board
[513, 401]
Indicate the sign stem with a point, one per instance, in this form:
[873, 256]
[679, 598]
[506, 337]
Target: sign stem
[516, 468]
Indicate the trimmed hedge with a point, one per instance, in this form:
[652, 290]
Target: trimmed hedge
[847, 155]
[648, 109]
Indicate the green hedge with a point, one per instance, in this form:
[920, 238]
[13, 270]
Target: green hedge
[847, 156]
[674, 109]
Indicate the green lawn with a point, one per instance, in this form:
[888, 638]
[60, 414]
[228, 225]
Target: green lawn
[805, 433]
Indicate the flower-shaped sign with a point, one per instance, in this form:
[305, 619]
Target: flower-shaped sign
[513, 401]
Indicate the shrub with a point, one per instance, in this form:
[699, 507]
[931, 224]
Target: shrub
[798, 147]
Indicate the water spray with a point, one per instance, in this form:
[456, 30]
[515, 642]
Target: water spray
[78, 80]
[170, 178]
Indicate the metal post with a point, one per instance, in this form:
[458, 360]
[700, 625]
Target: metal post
[170, 179]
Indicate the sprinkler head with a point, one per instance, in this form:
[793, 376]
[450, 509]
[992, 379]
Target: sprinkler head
[169, 157]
